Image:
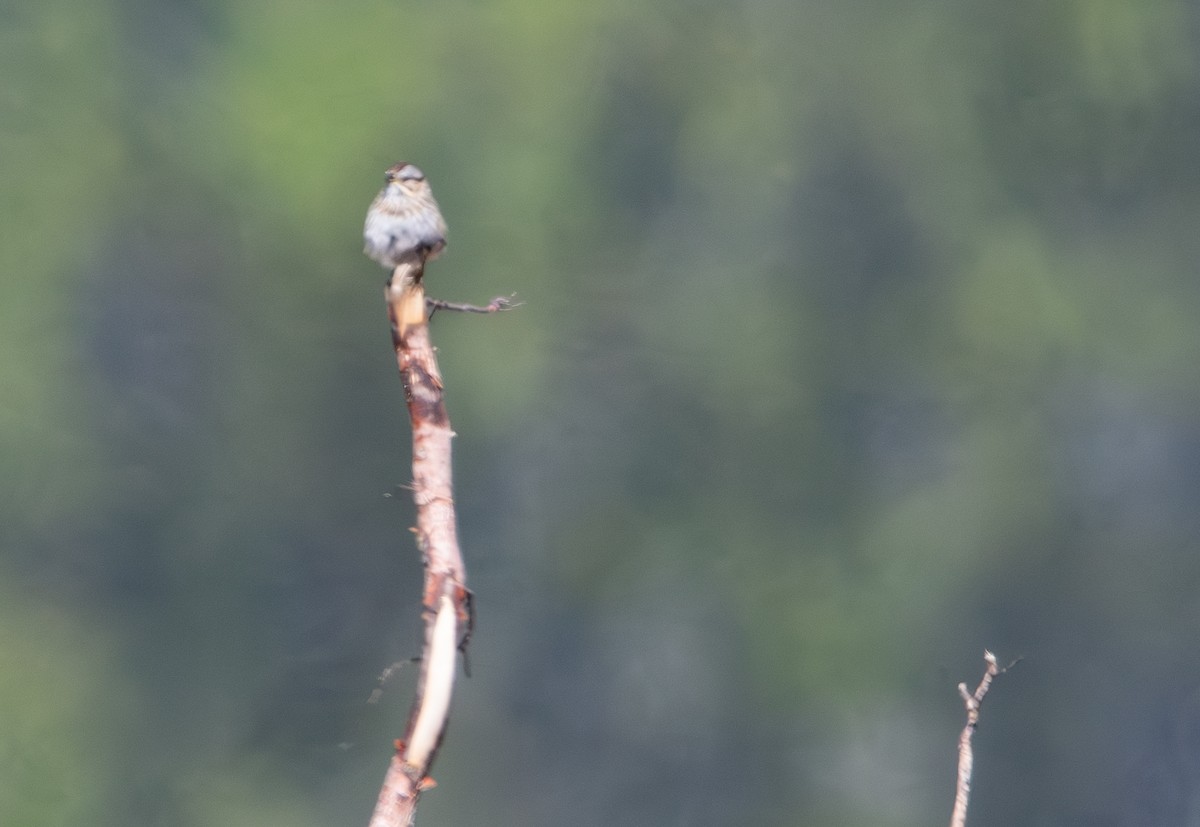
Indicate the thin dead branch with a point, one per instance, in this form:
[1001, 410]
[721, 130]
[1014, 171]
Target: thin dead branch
[446, 604]
[494, 306]
[966, 755]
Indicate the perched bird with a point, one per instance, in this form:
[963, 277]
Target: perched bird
[404, 221]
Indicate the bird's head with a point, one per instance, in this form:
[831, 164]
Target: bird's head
[402, 173]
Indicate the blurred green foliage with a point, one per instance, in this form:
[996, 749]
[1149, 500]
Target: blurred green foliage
[857, 337]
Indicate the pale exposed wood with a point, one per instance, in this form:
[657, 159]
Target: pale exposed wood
[966, 755]
[446, 601]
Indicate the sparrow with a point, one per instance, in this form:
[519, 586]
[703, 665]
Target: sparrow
[404, 220]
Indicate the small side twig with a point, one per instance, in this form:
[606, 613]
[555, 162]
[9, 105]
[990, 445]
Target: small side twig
[966, 757]
[494, 306]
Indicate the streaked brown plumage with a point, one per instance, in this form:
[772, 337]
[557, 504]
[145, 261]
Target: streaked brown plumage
[404, 220]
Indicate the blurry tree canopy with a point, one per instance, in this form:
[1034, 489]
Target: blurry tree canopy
[858, 337]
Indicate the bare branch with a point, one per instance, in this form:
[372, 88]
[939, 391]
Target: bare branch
[496, 305]
[966, 757]
[446, 600]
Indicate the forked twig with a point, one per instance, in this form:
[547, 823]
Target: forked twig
[966, 756]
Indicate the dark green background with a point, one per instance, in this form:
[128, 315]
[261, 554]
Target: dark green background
[857, 337]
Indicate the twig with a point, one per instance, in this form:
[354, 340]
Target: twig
[494, 306]
[966, 756]
[446, 600]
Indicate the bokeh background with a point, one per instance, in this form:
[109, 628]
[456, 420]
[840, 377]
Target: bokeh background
[857, 337]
